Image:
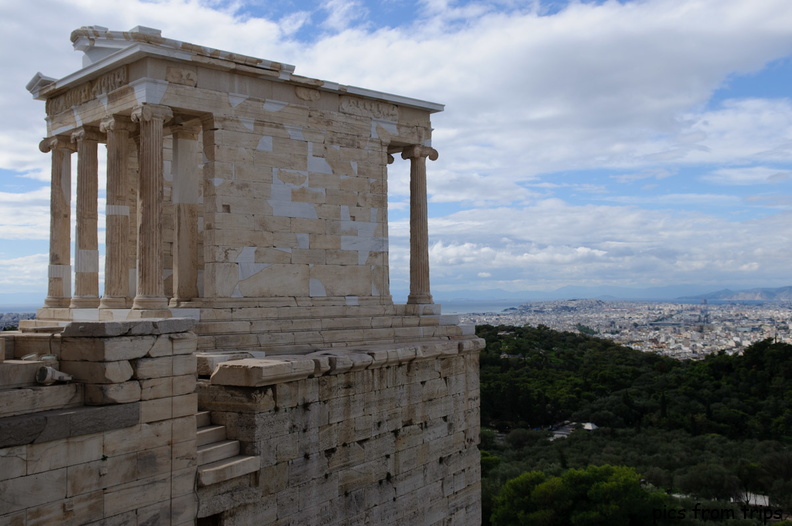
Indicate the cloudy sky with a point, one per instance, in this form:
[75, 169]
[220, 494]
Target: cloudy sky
[623, 143]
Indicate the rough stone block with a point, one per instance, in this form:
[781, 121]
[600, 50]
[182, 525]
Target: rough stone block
[53, 455]
[207, 362]
[184, 384]
[152, 388]
[33, 490]
[184, 364]
[147, 368]
[185, 405]
[103, 394]
[261, 372]
[162, 346]
[18, 373]
[13, 461]
[35, 399]
[98, 372]
[105, 349]
[156, 410]
[136, 494]
[184, 342]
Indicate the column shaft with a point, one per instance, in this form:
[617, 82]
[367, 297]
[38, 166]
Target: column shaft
[116, 293]
[150, 287]
[86, 275]
[186, 197]
[419, 223]
[59, 272]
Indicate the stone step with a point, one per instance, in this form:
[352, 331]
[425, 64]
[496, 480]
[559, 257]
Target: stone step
[227, 469]
[215, 451]
[203, 419]
[209, 434]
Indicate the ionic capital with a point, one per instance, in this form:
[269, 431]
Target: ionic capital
[116, 123]
[414, 151]
[149, 112]
[86, 133]
[390, 159]
[59, 142]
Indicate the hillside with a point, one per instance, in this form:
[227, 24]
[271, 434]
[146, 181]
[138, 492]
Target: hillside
[715, 429]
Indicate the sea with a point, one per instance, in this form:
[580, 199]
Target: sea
[468, 307]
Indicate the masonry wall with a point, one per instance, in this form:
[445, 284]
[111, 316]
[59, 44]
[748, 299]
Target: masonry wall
[380, 437]
[120, 449]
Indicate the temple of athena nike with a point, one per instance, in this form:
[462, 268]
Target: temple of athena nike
[243, 361]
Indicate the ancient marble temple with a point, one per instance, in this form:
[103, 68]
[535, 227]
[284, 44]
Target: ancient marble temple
[238, 193]
[244, 362]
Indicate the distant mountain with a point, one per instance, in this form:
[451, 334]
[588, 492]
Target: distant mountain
[761, 294]
[668, 293]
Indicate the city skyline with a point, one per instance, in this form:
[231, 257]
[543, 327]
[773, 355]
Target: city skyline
[625, 144]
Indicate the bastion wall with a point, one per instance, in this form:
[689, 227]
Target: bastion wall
[380, 434]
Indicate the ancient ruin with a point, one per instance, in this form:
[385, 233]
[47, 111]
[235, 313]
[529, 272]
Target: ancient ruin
[244, 362]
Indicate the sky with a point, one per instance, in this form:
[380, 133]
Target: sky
[639, 144]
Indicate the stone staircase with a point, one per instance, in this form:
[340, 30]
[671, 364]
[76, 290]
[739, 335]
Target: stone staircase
[218, 458]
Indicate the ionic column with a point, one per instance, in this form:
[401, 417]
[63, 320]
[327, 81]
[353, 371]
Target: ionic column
[86, 257]
[419, 223]
[116, 292]
[150, 287]
[59, 272]
[185, 196]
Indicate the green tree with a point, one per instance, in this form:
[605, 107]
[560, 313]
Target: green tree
[593, 496]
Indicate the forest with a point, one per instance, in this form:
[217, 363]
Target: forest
[676, 441]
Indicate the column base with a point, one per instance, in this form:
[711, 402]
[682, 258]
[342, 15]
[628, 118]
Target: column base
[419, 298]
[150, 303]
[113, 302]
[84, 302]
[57, 302]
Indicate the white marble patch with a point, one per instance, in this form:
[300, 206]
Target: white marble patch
[265, 144]
[302, 240]
[317, 164]
[316, 288]
[149, 90]
[282, 204]
[59, 271]
[87, 261]
[235, 99]
[365, 241]
[247, 122]
[295, 132]
[246, 262]
[274, 105]
[389, 126]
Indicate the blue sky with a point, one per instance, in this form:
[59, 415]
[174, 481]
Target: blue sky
[634, 144]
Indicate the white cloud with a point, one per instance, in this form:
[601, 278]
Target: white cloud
[26, 272]
[622, 86]
[342, 14]
[553, 244]
[25, 215]
[748, 176]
